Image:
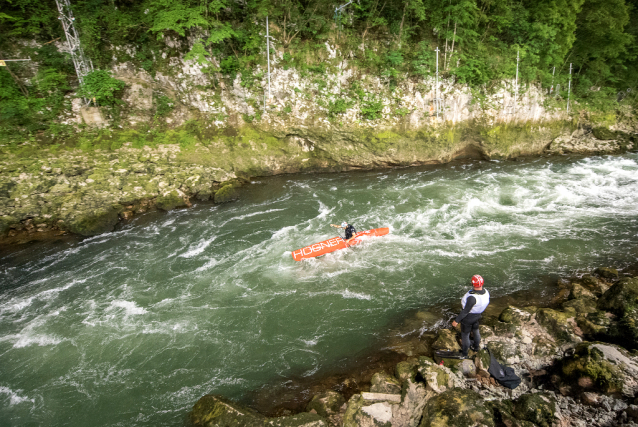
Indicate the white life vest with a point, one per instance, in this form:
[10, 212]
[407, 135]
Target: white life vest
[482, 301]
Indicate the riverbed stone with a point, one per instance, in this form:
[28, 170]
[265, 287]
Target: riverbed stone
[457, 408]
[382, 382]
[326, 403]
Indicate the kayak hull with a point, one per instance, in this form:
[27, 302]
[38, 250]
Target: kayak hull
[335, 244]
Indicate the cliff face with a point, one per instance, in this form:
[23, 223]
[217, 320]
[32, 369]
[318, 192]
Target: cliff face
[185, 133]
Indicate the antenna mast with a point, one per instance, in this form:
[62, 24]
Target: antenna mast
[83, 66]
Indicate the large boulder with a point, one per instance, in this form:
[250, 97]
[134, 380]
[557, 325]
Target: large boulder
[367, 413]
[606, 368]
[457, 408]
[326, 404]
[515, 315]
[225, 194]
[537, 408]
[621, 297]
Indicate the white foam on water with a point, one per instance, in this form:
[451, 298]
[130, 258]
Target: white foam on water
[349, 294]
[198, 249]
[15, 397]
[38, 339]
[130, 307]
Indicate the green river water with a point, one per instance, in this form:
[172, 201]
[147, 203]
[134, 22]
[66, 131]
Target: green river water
[131, 328]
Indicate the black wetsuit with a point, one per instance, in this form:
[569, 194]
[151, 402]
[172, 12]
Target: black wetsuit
[350, 231]
[470, 323]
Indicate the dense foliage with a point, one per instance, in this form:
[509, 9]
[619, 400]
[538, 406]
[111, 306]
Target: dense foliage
[478, 42]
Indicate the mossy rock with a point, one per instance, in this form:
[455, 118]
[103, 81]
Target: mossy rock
[357, 416]
[621, 297]
[406, 371]
[514, 315]
[603, 133]
[537, 408]
[94, 222]
[590, 368]
[383, 382]
[607, 273]
[225, 194]
[446, 340]
[583, 306]
[6, 222]
[579, 291]
[503, 414]
[326, 403]
[556, 323]
[595, 325]
[457, 408]
[215, 411]
[594, 285]
[170, 201]
[436, 377]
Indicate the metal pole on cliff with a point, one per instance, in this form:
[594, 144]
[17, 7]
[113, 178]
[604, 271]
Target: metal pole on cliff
[551, 89]
[516, 84]
[268, 53]
[569, 88]
[436, 88]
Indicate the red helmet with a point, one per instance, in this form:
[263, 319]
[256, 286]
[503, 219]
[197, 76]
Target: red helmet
[477, 281]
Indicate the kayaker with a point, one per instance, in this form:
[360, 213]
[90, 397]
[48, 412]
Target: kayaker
[474, 302]
[349, 228]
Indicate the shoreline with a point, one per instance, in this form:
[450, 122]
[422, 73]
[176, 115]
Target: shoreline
[376, 378]
[45, 193]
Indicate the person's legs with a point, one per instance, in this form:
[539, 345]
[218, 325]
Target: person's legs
[465, 338]
[477, 337]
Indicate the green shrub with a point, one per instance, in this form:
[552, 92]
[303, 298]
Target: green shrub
[100, 86]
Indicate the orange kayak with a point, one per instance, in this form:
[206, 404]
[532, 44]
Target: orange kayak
[335, 244]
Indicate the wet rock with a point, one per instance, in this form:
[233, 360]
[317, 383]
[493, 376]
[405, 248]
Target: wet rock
[170, 201]
[606, 368]
[299, 420]
[607, 273]
[326, 403]
[457, 408]
[582, 306]
[226, 194]
[91, 222]
[620, 297]
[215, 411]
[537, 408]
[383, 382]
[446, 340]
[594, 285]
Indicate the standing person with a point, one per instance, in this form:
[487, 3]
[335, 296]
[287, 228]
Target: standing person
[350, 230]
[474, 302]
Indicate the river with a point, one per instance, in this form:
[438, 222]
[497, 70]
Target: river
[131, 328]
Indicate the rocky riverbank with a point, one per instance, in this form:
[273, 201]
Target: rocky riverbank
[576, 357]
[45, 192]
